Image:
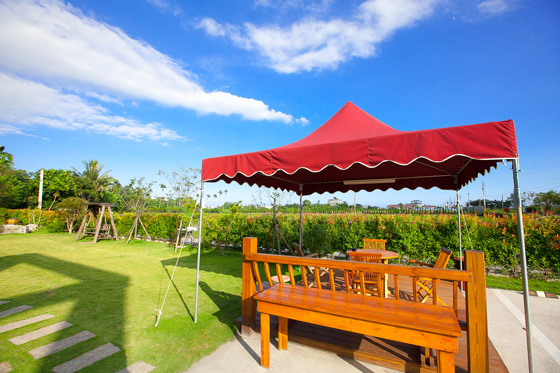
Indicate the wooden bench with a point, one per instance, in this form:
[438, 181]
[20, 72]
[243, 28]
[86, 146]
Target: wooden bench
[474, 278]
[414, 323]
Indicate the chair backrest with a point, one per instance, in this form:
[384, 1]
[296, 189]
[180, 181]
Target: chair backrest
[374, 243]
[443, 258]
[297, 248]
[358, 256]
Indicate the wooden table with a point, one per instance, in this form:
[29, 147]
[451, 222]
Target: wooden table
[385, 256]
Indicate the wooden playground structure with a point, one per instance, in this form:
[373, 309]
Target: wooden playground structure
[95, 222]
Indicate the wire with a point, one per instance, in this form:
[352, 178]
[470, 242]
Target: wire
[173, 274]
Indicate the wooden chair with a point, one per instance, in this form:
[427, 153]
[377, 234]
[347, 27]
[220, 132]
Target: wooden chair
[366, 282]
[373, 243]
[425, 290]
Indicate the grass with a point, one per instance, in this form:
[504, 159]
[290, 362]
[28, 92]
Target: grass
[510, 283]
[112, 290]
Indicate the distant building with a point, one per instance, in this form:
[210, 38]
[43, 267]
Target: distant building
[416, 204]
[334, 201]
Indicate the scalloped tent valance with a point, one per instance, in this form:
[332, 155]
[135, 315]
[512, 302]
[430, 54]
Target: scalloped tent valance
[355, 151]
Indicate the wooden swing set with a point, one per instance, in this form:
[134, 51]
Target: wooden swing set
[95, 222]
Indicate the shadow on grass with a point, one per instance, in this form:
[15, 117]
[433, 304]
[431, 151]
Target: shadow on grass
[98, 298]
[178, 292]
[229, 305]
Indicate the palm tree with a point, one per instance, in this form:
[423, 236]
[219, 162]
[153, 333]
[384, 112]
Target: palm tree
[93, 184]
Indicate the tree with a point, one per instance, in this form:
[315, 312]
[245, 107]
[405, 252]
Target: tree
[14, 184]
[72, 209]
[548, 199]
[93, 184]
[57, 184]
[182, 185]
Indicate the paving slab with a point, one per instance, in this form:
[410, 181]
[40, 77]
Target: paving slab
[22, 323]
[87, 359]
[60, 345]
[14, 310]
[19, 340]
[5, 367]
[4, 302]
[138, 367]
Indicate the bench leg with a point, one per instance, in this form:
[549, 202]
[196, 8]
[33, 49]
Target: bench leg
[265, 340]
[282, 333]
[446, 362]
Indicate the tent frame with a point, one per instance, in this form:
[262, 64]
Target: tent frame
[354, 151]
[520, 236]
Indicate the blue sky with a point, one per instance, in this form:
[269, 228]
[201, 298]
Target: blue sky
[148, 85]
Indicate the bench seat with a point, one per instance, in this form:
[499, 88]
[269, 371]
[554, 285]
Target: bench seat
[419, 324]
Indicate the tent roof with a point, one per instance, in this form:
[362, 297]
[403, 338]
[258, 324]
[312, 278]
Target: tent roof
[355, 151]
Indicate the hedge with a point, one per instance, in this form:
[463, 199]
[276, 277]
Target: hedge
[413, 236]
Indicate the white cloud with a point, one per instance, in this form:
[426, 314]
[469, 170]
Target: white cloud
[26, 104]
[166, 7]
[494, 7]
[58, 45]
[312, 44]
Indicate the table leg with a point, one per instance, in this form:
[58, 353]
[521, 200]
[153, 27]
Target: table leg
[265, 340]
[282, 333]
[446, 362]
[385, 278]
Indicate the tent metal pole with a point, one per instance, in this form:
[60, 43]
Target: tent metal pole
[521, 238]
[460, 238]
[198, 251]
[301, 216]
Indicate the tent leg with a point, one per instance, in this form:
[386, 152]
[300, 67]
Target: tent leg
[521, 238]
[301, 216]
[460, 238]
[198, 251]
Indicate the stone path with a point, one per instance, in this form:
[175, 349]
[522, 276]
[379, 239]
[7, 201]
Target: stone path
[72, 365]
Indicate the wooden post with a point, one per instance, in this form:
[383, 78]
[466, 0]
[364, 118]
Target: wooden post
[82, 226]
[477, 322]
[99, 222]
[248, 289]
[113, 223]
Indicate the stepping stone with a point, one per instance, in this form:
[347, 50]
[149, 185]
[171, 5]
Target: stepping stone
[39, 333]
[138, 367]
[19, 324]
[57, 346]
[11, 311]
[5, 367]
[87, 359]
[4, 302]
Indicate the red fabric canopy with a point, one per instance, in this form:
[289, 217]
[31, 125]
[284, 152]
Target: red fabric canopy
[355, 151]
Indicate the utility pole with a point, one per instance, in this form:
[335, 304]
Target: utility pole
[484, 197]
[41, 176]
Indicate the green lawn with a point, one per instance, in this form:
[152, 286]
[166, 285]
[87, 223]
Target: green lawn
[112, 290]
[516, 284]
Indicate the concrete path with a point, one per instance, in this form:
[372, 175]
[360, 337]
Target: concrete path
[506, 322]
[243, 356]
[505, 329]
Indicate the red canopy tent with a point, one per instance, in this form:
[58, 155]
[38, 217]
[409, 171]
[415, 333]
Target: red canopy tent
[355, 151]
